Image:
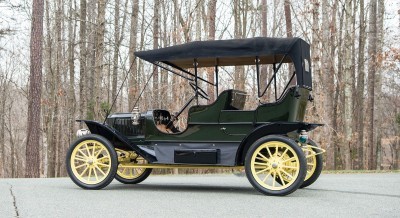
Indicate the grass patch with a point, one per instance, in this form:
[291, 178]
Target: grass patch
[358, 171]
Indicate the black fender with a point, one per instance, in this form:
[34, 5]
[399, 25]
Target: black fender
[276, 128]
[116, 138]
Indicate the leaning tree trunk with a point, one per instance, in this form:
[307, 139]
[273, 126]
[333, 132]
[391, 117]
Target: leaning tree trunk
[35, 90]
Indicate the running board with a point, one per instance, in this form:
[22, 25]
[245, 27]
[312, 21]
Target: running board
[169, 166]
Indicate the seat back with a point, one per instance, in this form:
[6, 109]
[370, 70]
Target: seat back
[228, 100]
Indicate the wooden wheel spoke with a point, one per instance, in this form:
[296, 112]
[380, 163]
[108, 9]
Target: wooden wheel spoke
[283, 154]
[77, 167]
[94, 149]
[287, 174]
[87, 149]
[290, 159]
[281, 178]
[265, 179]
[103, 165]
[269, 152]
[274, 180]
[258, 163]
[258, 172]
[95, 174]
[99, 152]
[263, 157]
[101, 171]
[80, 151]
[103, 158]
[124, 169]
[80, 158]
[90, 173]
[289, 167]
[84, 171]
[276, 150]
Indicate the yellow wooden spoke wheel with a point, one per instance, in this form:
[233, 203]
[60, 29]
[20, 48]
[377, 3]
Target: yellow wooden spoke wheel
[91, 162]
[314, 163]
[126, 172]
[275, 158]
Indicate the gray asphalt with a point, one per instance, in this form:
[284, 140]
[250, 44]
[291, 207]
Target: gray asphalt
[333, 195]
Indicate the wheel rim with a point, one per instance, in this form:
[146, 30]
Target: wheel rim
[275, 160]
[311, 159]
[126, 171]
[90, 162]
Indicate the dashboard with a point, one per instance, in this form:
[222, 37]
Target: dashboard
[161, 117]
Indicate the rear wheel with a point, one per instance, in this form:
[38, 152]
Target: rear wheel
[91, 162]
[275, 157]
[126, 172]
[314, 163]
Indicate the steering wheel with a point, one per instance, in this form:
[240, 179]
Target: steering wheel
[199, 91]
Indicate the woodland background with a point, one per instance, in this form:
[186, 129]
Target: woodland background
[74, 68]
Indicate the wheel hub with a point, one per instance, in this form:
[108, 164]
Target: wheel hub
[274, 165]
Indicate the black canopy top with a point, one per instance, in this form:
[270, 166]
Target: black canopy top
[236, 52]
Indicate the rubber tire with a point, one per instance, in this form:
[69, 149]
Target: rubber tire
[113, 156]
[302, 161]
[137, 180]
[318, 168]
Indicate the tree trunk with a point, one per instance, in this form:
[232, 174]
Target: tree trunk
[3, 94]
[211, 12]
[327, 81]
[133, 79]
[116, 49]
[99, 51]
[289, 32]
[347, 86]
[35, 89]
[82, 61]
[156, 38]
[239, 7]
[55, 97]
[288, 18]
[359, 101]
[372, 41]
[378, 85]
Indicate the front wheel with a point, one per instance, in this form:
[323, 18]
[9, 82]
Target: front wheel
[91, 162]
[274, 158]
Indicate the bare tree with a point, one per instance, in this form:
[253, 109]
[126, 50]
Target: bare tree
[359, 101]
[348, 82]
[35, 89]
[133, 79]
[211, 12]
[82, 61]
[372, 41]
[156, 38]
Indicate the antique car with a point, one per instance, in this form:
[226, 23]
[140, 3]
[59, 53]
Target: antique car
[270, 142]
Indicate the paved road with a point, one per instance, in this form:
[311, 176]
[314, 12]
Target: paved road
[333, 195]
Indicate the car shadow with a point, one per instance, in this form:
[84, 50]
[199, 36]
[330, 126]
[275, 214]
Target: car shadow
[184, 188]
[353, 192]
